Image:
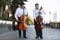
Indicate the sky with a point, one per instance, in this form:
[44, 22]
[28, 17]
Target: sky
[52, 6]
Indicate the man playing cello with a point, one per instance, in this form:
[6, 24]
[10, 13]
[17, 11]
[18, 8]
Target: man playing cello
[20, 16]
[38, 21]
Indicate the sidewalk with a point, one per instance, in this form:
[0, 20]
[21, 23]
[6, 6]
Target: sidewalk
[48, 34]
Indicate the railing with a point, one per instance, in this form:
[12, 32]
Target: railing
[55, 24]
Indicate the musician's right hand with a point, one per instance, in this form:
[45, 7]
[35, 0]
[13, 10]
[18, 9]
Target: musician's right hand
[17, 20]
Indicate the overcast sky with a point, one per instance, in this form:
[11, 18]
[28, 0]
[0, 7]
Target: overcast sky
[48, 5]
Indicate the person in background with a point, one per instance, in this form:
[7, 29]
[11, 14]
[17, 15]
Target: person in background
[21, 10]
[38, 20]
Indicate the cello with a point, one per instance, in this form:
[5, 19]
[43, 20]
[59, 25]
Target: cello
[39, 20]
[22, 24]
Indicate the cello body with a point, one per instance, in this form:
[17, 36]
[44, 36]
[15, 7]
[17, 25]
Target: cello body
[39, 20]
[22, 24]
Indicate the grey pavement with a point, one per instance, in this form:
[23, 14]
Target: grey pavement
[5, 28]
[48, 34]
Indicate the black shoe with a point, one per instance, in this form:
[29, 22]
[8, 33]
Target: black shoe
[19, 36]
[36, 37]
[41, 37]
[25, 37]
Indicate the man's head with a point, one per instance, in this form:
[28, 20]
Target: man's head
[37, 6]
[22, 5]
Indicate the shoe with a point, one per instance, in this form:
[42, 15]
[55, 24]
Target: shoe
[41, 37]
[36, 37]
[25, 37]
[19, 36]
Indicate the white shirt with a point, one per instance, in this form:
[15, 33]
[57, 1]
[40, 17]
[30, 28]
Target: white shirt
[19, 12]
[36, 13]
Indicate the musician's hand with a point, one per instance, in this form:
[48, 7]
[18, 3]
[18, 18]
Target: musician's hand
[43, 27]
[17, 20]
[35, 20]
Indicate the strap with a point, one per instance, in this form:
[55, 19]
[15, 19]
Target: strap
[23, 14]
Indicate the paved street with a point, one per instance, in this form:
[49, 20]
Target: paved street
[48, 34]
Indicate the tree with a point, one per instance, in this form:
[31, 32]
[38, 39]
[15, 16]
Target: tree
[2, 5]
[2, 2]
[14, 6]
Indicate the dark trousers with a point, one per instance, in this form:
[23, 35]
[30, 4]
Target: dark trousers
[38, 32]
[19, 31]
[24, 33]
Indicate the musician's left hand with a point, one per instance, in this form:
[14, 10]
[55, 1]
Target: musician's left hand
[42, 26]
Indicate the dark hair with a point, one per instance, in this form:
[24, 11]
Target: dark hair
[22, 3]
[36, 4]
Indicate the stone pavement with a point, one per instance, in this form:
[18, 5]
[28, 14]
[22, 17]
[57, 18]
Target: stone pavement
[48, 34]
